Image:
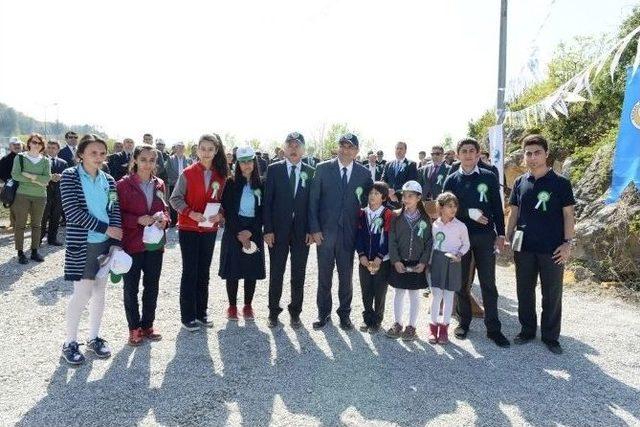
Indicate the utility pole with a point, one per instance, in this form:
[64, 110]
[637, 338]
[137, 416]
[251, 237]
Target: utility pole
[502, 62]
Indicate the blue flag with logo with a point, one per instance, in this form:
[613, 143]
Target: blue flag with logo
[626, 160]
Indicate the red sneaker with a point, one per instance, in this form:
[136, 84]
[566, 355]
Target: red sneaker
[135, 337]
[151, 335]
[433, 333]
[443, 334]
[247, 312]
[232, 313]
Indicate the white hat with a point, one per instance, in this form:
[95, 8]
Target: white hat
[14, 140]
[244, 154]
[412, 186]
[116, 263]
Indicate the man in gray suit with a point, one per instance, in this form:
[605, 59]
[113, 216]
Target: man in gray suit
[339, 190]
[174, 166]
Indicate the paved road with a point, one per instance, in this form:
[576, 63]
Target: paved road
[245, 373]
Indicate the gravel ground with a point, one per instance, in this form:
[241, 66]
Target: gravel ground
[245, 373]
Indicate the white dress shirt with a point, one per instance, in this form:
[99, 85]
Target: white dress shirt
[349, 169]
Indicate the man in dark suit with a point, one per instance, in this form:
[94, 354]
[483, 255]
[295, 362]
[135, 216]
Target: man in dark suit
[262, 164]
[339, 190]
[68, 153]
[397, 172]
[53, 208]
[310, 159]
[432, 176]
[286, 228]
[174, 167]
[380, 158]
[119, 162]
[373, 167]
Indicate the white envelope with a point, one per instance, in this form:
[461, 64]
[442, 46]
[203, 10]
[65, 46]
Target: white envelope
[210, 210]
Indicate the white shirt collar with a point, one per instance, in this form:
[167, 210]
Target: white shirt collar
[349, 166]
[372, 212]
[289, 164]
[475, 170]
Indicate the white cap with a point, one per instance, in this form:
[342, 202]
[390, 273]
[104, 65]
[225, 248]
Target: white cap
[412, 186]
[116, 263]
[245, 153]
[152, 234]
[14, 140]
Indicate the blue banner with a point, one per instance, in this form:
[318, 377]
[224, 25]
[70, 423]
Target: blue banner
[626, 160]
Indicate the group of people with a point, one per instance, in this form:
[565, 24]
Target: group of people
[412, 227]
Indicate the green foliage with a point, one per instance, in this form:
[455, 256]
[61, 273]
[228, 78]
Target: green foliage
[591, 125]
[13, 123]
[634, 224]
[582, 157]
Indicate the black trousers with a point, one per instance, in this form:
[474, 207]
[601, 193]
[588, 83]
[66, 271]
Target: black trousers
[374, 293]
[197, 251]
[482, 253]
[232, 291]
[149, 265]
[335, 250]
[51, 216]
[278, 255]
[529, 266]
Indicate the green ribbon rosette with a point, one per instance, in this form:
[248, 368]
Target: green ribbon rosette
[303, 179]
[258, 193]
[543, 198]
[421, 227]
[440, 239]
[482, 189]
[377, 225]
[359, 194]
[113, 197]
[216, 186]
[440, 178]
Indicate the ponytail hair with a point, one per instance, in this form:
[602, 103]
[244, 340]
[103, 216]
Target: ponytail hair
[133, 167]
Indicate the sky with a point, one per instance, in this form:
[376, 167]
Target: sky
[413, 70]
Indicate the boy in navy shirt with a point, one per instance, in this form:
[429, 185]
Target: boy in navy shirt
[542, 208]
[481, 211]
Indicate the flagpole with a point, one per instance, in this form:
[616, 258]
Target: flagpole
[502, 62]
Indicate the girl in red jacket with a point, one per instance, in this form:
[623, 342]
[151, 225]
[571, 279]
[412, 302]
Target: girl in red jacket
[198, 191]
[144, 218]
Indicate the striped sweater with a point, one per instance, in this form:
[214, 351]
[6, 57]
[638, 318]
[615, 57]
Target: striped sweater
[80, 221]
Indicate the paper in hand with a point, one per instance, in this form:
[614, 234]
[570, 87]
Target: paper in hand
[210, 210]
[475, 214]
[516, 243]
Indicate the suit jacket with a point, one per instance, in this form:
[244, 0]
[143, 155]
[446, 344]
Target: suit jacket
[67, 155]
[118, 165]
[331, 206]
[432, 183]
[282, 210]
[407, 171]
[262, 166]
[311, 161]
[171, 167]
[6, 164]
[378, 173]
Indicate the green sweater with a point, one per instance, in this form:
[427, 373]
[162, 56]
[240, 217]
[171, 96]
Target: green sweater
[42, 171]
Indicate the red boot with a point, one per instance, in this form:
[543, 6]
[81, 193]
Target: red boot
[433, 333]
[443, 334]
[135, 337]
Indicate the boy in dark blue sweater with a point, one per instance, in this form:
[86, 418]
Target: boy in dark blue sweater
[481, 211]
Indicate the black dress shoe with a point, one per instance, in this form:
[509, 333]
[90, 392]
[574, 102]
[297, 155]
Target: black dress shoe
[499, 339]
[461, 332]
[22, 258]
[272, 322]
[523, 338]
[36, 256]
[553, 346]
[346, 325]
[54, 243]
[296, 323]
[321, 323]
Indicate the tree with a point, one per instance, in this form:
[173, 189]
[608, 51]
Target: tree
[8, 122]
